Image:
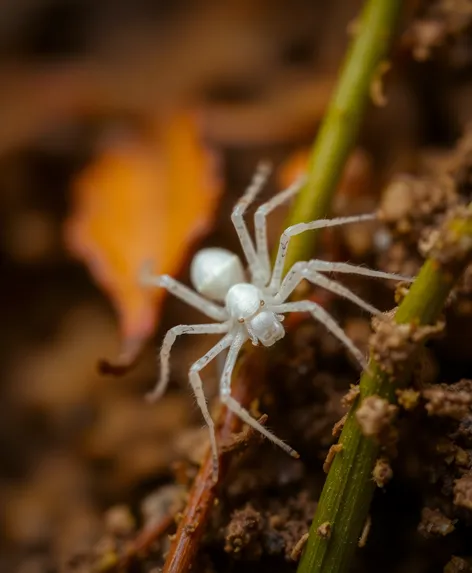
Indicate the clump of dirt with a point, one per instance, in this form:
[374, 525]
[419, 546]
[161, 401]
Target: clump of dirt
[382, 472]
[443, 21]
[324, 530]
[445, 457]
[458, 565]
[412, 205]
[375, 416]
[448, 244]
[415, 206]
[463, 491]
[394, 345]
[450, 401]
[275, 529]
[434, 524]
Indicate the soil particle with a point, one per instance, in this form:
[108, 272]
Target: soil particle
[393, 345]
[324, 530]
[382, 472]
[463, 491]
[374, 416]
[401, 290]
[276, 528]
[434, 523]
[411, 204]
[415, 207]
[408, 398]
[450, 244]
[243, 533]
[449, 401]
[458, 565]
[443, 21]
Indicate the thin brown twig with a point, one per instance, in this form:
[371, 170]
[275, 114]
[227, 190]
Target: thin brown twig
[140, 546]
[147, 536]
[203, 493]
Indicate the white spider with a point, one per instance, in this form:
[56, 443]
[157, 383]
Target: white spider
[251, 305]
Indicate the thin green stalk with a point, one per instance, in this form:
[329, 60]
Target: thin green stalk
[341, 124]
[349, 487]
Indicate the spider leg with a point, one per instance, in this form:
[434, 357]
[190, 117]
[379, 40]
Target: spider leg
[301, 228]
[327, 266]
[302, 270]
[260, 222]
[234, 406]
[237, 217]
[166, 347]
[320, 314]
[196, 382]
[184, 293]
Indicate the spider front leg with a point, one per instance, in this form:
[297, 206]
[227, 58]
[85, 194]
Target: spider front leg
[196, 382]
[260, 222]
[321, 315]
[166, 347]
[184, 293]
[301, 228]
[237, 217]
[303, 270]
[234, 406]
[327, 266]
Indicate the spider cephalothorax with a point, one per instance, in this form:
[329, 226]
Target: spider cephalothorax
[249, 305]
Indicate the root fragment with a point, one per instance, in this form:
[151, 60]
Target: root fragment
[333, 450]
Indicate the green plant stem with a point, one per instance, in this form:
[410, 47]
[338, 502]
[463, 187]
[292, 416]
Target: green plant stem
[349, 487]
[342, 120]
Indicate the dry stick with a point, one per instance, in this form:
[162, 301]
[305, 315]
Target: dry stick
[341, 124]
[347, 493]
[203, 494]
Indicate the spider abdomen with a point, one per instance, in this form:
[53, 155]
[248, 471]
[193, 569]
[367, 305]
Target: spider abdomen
[214, 271]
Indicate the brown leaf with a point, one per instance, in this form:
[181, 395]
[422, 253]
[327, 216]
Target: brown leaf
[143, 198]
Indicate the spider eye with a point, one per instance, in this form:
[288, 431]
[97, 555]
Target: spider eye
[262, 303]
[240, 320]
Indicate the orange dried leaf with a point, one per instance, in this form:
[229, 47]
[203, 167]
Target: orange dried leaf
[141, 200]
[293, 167]
[355, 180]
